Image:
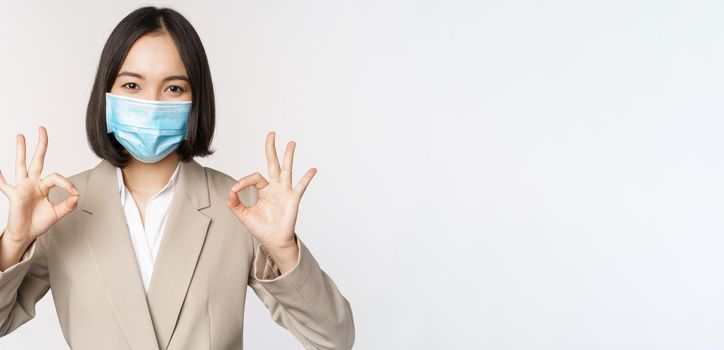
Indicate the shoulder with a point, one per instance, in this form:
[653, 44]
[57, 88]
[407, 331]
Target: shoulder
[218, 178]
[78, 179]
[220, 183]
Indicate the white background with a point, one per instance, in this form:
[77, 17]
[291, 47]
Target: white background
[492, 174]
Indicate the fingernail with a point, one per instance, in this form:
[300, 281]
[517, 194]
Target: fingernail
[75, 190]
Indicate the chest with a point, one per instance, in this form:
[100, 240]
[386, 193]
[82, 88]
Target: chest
[146, 211]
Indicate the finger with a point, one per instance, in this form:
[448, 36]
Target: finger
[56, 179]
[36, 165]
[255, 179]
[272, 160]
[67, 206]
[235, 204]
[4, 186]
[304, 182]
[20, 170]
[286, 174]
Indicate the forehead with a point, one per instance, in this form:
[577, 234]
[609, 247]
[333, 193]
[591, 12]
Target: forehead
[154, 56]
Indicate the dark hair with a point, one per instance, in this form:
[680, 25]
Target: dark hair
[202, 118]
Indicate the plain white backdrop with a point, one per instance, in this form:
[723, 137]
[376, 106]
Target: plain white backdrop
[492, 174]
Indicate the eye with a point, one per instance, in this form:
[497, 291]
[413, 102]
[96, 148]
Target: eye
[131, 86]
[176, 89]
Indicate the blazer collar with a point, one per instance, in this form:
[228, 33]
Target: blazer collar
[103, 178]
[123, 189]
[147, 321]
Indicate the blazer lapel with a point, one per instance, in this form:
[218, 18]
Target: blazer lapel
[179, 250]
[109, 240]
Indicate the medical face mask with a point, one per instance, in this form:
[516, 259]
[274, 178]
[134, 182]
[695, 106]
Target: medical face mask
[149, 130]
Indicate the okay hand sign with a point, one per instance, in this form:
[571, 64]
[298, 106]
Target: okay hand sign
[274, 216]
[31, 213]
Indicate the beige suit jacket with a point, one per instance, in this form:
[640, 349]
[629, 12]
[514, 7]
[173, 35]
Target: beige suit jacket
[197, 293]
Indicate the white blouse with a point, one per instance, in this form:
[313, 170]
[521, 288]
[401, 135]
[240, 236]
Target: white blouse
[146, 236]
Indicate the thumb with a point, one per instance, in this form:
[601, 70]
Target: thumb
[67, 206]
[236, 206]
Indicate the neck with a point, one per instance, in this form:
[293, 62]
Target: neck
[149, 178]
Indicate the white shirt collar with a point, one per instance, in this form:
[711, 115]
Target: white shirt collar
[122, 186]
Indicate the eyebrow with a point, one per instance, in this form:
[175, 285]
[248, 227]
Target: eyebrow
[139, 76]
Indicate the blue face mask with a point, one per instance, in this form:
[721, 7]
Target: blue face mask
[149, 130]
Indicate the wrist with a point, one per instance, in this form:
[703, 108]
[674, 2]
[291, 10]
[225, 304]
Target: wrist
[9, 239]
[11, 251]
[285, 257]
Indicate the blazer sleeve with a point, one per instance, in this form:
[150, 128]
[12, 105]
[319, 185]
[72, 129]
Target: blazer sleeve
[22, 285]
[304, 300]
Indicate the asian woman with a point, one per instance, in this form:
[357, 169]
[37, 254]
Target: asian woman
[149, 249]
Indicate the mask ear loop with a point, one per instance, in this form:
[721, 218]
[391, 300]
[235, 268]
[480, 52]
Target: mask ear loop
[108, 115]
[186, 135]
[108, 120]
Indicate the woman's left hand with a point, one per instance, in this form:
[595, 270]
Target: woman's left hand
[274, 216]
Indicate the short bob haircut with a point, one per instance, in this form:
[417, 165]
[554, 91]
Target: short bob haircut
[202, 118]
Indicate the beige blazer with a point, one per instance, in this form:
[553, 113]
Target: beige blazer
[197, 293]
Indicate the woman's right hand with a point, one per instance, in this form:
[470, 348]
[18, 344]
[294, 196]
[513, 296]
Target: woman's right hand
[31, 213]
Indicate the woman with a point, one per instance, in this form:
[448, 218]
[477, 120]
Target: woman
[148, 209]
